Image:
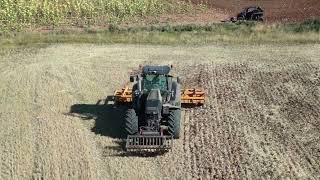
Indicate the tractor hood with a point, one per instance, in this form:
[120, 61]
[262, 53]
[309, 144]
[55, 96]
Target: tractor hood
[153, 102]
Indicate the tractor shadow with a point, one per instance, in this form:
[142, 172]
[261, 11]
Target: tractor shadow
[109, 118]
[109, 121]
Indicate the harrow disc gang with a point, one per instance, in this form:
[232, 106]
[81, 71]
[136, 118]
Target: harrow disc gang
[188, 96]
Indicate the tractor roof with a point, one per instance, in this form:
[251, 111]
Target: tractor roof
[160, 70]
[253, 8]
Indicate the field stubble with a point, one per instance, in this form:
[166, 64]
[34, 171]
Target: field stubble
[261, 117]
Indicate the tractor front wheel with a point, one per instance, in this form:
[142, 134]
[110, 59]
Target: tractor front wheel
[174, 123]
[131, 122]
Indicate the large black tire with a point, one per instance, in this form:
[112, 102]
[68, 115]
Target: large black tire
[176, 96]
[241, 18]
[174, 123]
[131, 126]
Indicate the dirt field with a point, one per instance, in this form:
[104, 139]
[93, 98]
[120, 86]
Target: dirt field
[261, 118]
[275, 10]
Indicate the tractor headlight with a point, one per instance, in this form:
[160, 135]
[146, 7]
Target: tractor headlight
[136, 93]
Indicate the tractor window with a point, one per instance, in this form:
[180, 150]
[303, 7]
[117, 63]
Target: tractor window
[154, 82]
[251, 9]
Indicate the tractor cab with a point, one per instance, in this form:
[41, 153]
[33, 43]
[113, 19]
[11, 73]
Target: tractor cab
[253, 13]
[156, 77]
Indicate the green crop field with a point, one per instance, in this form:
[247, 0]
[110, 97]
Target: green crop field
[15, 15]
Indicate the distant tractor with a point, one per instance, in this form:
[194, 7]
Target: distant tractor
[252, 13]
[154, 116]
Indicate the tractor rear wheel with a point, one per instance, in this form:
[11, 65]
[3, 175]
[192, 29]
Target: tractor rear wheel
[131, 122]
[174, 123]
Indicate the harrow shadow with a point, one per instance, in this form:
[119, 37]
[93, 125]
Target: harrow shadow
[109, 118]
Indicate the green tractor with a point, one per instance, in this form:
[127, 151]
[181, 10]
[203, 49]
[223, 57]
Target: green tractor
[154, 117]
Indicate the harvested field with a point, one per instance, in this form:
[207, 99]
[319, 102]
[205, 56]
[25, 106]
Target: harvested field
[261, 118]
[275, 10]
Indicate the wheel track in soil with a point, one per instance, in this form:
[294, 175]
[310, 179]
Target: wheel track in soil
[278, 97]
[226, 92]
[297, 145]
[310, 162]
[206, 136]
[272, 99]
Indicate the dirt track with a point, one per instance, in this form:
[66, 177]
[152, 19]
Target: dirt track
[261, 119]
[275, 10]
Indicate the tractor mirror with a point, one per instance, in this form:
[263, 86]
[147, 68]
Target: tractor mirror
[131, 78]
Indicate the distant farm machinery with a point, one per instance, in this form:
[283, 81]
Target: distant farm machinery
[251, 13]
[153, 119]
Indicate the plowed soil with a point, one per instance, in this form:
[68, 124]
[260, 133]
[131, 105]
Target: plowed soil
[261, 119]
[275, 10]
